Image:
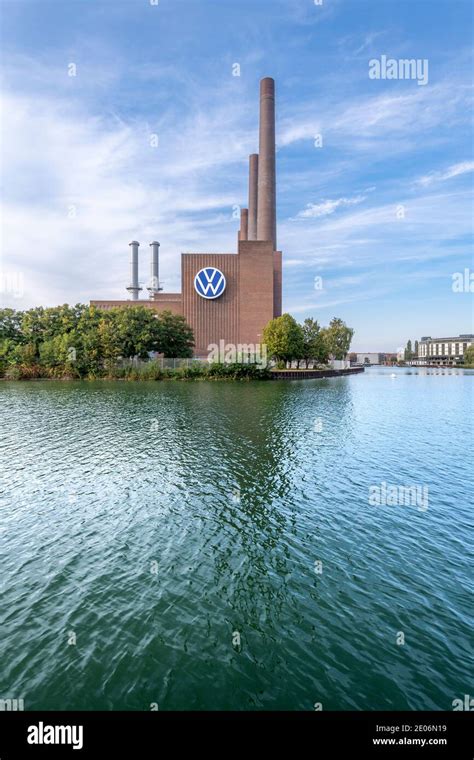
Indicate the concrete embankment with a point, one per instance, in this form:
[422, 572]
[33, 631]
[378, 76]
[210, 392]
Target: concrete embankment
[313, 374]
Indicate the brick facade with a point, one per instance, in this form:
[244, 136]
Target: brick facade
[251, 299]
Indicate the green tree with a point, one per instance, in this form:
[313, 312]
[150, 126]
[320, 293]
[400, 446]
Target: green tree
[25, 354]
[284, 339]
[61, 353]
[408, 353]
[314, 347]
[469, 355]
[415, 353]
[10, 325]
[136, 329]
[109, 343]
[175, 336]
[337, 338]
[88, 345]
[83, 340]
[7, 353]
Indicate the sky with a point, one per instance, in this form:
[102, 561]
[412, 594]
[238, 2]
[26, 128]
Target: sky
[133, 120]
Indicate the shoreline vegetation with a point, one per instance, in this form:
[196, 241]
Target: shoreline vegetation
[153, 371]
[83, 342]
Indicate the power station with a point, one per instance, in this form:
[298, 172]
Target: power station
[228, 296]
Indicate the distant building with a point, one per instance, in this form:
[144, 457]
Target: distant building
[388, 358]
[442, 351]
[368, 358]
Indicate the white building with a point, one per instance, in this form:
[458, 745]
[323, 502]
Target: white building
[442, 351]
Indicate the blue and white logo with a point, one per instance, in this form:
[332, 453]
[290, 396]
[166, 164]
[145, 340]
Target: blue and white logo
[209, 283]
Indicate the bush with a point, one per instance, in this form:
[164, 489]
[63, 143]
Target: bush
[237, 372]
[151, 370]
[194, 372]
[12, 373]
[24, 372]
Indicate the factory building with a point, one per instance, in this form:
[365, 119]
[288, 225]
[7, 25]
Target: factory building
[228, 296]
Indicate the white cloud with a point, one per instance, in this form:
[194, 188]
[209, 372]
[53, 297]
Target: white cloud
[401, 119]
[328, 207]
[452, 171]
[79, 187]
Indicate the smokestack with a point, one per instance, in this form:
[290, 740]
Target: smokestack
[134, 288]
[154, 286]
[244, 224]
[253, 196]
[266, 216]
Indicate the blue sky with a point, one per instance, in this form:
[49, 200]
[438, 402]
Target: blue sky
[381, 211]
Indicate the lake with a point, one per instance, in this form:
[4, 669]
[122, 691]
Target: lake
[238, 546]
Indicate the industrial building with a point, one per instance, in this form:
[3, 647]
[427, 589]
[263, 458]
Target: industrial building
[228, 296]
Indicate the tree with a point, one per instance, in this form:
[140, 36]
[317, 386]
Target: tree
[469, 355]
[83, 340]
[314, 347]
[136, 329]
[110, 346]
[415, 353]
[175, 337]
[10, 324]
[61, 353]
[408, 353]
[337, 338]
[283, 337]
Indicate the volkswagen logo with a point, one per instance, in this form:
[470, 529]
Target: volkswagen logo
[209, 283]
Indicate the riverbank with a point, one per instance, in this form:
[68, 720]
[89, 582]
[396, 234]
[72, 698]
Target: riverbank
[154, 371]
[313, 374]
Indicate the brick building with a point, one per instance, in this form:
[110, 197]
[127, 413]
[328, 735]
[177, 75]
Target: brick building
[228, 296]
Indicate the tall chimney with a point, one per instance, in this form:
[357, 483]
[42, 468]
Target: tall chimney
[253, 196]
[154, 286]
[134, 288]
[244, 224]
[266, 216]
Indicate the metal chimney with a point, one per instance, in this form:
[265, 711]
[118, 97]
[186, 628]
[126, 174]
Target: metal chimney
[266, 222]
[253, 196]
[134, 288]
[154, 286]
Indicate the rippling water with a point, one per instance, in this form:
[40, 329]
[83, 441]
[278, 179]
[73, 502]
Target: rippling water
[155, 521]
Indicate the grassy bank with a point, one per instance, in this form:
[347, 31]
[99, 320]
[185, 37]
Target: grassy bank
[149, 371]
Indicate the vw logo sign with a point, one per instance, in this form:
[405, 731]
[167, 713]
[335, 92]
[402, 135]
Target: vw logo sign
[209, 283]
